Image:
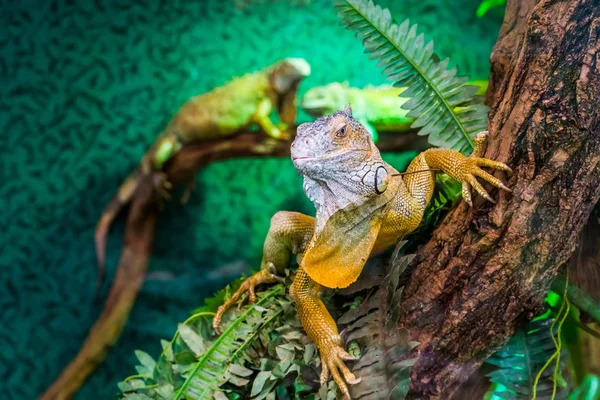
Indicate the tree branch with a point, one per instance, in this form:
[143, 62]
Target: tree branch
[487, 270]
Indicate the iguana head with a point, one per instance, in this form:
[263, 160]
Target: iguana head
[347, 181]
[339, 162]
[285, 74]
[323, 100]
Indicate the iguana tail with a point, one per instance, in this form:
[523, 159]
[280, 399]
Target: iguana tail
[121, 199]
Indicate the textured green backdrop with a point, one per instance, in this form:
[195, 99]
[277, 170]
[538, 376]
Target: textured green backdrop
[84, 88]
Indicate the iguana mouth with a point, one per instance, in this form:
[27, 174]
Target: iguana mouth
[337, 154]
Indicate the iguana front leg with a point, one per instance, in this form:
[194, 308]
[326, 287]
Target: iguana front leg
[464, 169]
[321, 328]
[263, 120]
[289, 233]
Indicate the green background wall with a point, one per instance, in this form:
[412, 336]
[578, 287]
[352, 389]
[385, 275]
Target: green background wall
[85, 86]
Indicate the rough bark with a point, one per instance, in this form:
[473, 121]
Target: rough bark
[139, 234]
[486, 270]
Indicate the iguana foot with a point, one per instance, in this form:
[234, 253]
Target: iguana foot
[279, 133]
[333, 356]
[283, 132]
[469, 168]
[266, 146]
[162, 185]
[267, 275]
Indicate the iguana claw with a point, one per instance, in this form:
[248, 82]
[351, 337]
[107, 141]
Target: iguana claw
[267, 275]
[333, 356]
[162, 185]
[470, 167]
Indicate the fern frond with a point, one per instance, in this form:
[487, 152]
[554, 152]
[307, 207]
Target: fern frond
[442, 105]
[520, 361]
[384, 367]
[209, 372]
[200, 370]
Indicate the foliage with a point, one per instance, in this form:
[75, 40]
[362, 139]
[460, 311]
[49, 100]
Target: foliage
[442, 105]
[523, 361]
[263, 350]
[487, 5]
[588, 390]
[384, 366]
[194, 365]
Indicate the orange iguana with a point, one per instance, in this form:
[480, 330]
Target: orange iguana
[245, 101]
[363, 207]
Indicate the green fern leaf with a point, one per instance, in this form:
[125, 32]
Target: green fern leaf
[521, 359]
[195, 367]
[443, 106]
[209, 372]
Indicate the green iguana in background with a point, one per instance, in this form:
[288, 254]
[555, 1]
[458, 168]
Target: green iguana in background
[377, 108]
[243, 102]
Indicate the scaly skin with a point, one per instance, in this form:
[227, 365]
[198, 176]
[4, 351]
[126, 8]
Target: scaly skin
[245, 101]
[376, 107]
[363, 207]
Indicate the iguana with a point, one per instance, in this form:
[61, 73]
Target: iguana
[363, 206]
[244, 101]
[377, 108]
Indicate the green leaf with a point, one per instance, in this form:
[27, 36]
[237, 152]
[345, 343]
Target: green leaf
[192, 339]
[137, 396]
[166, 391]
[145, 359]
[259, 382]
[210, 369]
[309, 352]
[240, 370]
[124, 386]
[485, 5]
[437, 98]
[521, 359]
[167, 350]
[284, 354]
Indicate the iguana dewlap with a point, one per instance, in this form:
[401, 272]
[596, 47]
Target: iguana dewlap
[362, 207]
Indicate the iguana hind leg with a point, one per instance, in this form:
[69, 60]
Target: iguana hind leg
[289, 233]
[322, 329]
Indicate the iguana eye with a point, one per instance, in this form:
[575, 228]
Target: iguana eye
[381, 179]
[342, 132]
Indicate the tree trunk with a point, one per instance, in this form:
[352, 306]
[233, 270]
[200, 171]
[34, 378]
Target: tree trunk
[487, 270]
